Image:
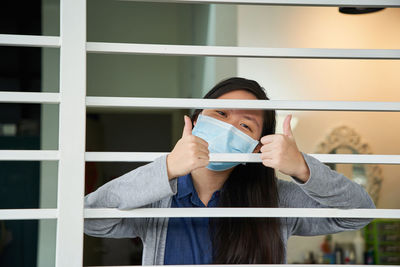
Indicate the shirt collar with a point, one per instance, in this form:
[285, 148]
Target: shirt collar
[185, 186]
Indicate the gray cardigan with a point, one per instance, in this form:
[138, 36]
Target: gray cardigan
[148, 186]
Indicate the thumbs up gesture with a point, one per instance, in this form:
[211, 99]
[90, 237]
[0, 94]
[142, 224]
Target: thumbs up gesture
[190, 153]
[279, 151]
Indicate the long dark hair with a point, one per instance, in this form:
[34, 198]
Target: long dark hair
[247, 240]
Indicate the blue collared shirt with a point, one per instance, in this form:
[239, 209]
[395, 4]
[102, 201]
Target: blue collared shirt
[188, 240]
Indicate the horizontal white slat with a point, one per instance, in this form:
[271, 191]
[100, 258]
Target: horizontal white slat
[50, 155]
[253, 265]
[29, 97]
[242, 212]
[191, 103]
[29, 155]
[29, 40]
[231, 51]
[240, 157]
[122, 156]
[359, 3]
[357, 158]
[27, 214]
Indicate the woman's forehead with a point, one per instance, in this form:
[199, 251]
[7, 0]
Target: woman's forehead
[248, 112]
[242, 94]
[238, 94]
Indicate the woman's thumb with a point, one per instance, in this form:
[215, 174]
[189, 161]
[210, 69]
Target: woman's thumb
[287, 130]
[187, 129]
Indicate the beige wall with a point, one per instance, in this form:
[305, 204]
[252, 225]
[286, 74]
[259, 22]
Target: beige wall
[320, 79]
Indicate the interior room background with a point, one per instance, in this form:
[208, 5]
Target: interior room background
[170, 76]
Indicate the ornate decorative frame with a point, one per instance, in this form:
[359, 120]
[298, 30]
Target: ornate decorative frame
[345, 136]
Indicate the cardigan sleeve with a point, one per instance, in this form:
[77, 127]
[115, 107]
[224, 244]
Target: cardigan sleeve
[138, 188]
[325, 188]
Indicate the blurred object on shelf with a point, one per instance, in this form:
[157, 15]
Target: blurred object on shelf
[382, 238]
[310, 259]
[8, 129]
[326, 246]
[346, 252]
[29, 127]
[359, 246]
[328, 257]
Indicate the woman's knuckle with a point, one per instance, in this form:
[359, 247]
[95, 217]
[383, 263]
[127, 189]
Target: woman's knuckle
[192, 162]
[192, 146]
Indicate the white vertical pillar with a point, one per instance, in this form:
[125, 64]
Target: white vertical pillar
[69, 249]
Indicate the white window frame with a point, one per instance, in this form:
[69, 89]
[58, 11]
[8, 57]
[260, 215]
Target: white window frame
[73, 101]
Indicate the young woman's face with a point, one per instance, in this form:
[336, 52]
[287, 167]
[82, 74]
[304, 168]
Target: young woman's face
[248, 121]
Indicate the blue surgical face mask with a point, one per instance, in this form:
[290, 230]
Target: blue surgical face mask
[222, 137]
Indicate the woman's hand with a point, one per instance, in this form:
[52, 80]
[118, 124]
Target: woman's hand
[279, 151]
[190, 153]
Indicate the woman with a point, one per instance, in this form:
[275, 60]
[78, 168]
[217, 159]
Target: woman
[186, 178]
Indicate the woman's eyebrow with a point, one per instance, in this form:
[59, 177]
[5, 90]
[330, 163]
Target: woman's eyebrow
[251, 118]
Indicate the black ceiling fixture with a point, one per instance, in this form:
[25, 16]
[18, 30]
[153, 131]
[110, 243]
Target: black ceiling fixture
[358, 10]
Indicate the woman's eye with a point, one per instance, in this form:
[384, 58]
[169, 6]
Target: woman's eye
[245, 126]
[221, 113]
